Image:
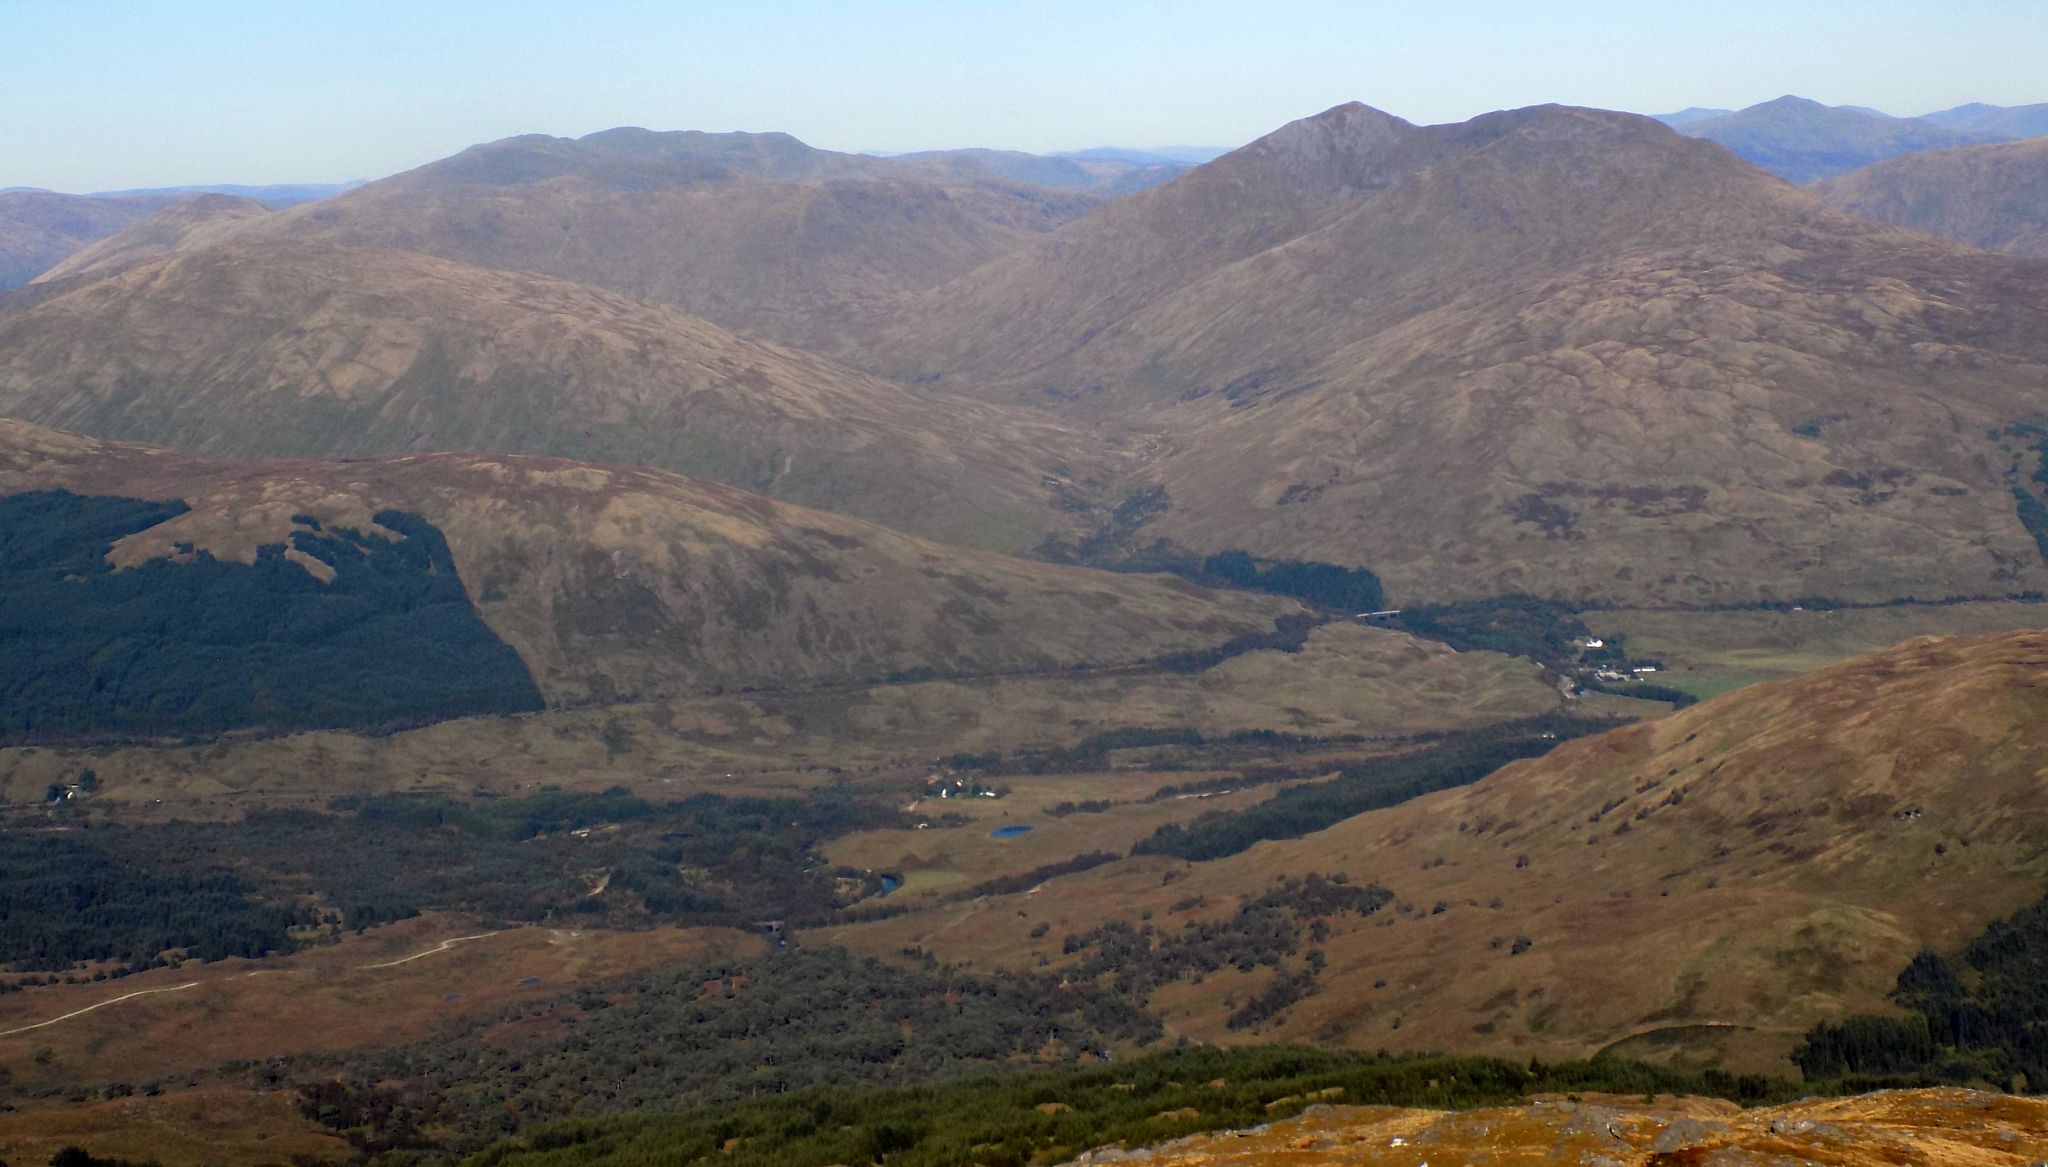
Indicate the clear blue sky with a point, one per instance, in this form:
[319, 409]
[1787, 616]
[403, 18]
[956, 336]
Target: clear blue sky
[100, 94]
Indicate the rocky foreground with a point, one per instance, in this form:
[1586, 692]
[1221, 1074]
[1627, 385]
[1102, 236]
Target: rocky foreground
[1940, 1128]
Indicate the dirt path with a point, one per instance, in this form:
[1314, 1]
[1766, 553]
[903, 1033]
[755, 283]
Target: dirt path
[444, 946]
[101, 1005]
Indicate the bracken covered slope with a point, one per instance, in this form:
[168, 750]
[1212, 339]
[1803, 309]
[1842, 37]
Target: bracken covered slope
[280, 350]
[1552, 350]
[617, 583]
[1994, 197]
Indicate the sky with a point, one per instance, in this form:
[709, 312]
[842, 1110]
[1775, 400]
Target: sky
[111, 94]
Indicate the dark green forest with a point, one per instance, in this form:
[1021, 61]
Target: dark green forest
[715, 1033]
[1369, 785]
[64, 902]
[1350, 590]
[194, 645]
[123, 894]
[1983, 1018]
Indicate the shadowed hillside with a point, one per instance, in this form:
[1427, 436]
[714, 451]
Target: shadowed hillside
[183, 226]
[39, 227]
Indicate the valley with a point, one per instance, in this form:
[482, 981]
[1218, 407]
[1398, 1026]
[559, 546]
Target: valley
[1493, 640]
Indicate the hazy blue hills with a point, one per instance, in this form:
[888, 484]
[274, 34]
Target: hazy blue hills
[1803, 141]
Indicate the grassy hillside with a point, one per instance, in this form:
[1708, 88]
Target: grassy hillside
[758, 232]
[297, 350]
[182, 226]
[1703, 886]
[1994, 197]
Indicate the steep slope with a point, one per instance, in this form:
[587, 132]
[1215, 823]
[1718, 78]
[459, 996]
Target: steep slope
[1550, 350]
[614, 583]
[267, 350]
[1802, 140]
[757, 232]
[1017, 315]
[39, 227]
[1994, 197]
[184, 226]
[1707, 885]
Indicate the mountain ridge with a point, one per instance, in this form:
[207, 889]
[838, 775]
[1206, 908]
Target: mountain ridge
[258, 349]
[1494, 372]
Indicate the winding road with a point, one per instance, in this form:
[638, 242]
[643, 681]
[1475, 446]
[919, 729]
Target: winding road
[101, 1005]
[443, 946]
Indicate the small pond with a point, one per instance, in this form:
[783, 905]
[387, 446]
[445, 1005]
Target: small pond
[1008, 832]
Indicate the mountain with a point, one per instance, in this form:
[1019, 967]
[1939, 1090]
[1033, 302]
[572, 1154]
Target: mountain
[2000, 121]
[611, 583]
[1181, 155]
[1690, 115]
[40, 227]
[1108, 176]
[1802, 140]
[1705, 886]
[276, 196]
[1994, 197]
[186, 224]
[1055, 298]
[755, 232]
[1551, 350]
[257, 349]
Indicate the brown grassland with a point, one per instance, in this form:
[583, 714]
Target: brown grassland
[388, 986]
[1703, 887]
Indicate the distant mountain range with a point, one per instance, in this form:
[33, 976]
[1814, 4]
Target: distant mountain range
[1553, 350]
[275, 195]
[1803, 141]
